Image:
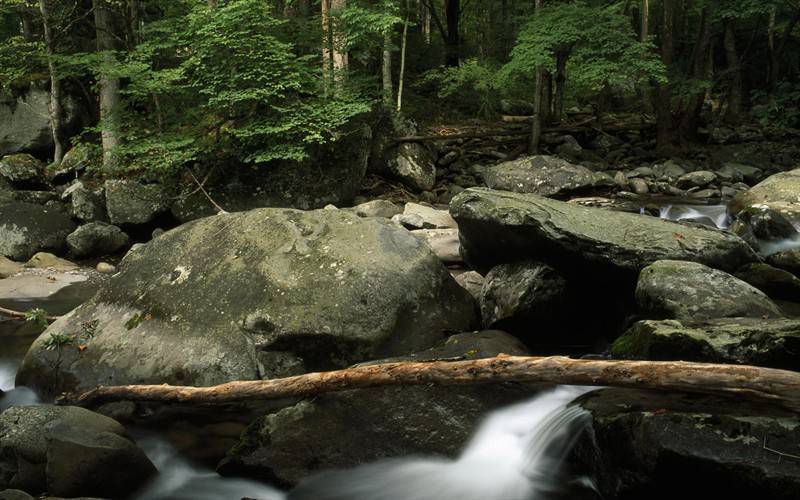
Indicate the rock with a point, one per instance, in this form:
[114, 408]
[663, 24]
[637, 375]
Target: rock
[22, 170]
[449, 158]
[443, 242]
[661, 446]
[776, 283]
[259, 294]
[516, 107]
[15, 495]
[699, 179]
[105, 268]
[639, 186]
[360, 426]
[36, 197]
[68, 451]
[26, 228]
[414, 166]
[472, 282]
[44, 260]
[542, 175]
[739, 172]
[75, 161]
[788, 260]
[751, 341]
[25, 121]
[377, 208]
[430, 218]
[84, 204]
[8, 267]
[129, 202]
[669, 170]
[674, 289]
[780, 192]
[767, 224]
[156, 233]
[96, 238]
[569, 147]
[620, 180]
[498, 227]
[522, 297]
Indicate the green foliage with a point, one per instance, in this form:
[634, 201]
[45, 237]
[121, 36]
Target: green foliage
[21, 62]
[782, 109]
[58, 340]
[602, 49]
[478, 85]
[38, 316]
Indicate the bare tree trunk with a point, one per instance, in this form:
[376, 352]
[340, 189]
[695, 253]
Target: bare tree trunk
[536, 127]
[647, 103]
[402, 75]
[766, 384]
[340, 57]
[665, 135]
[327, 41]
[386, 70]
[55, 106]
[560, 82]
[734, 111]
[691, 114]
[109, 85]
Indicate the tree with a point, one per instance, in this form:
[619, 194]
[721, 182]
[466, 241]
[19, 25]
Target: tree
[105, 29]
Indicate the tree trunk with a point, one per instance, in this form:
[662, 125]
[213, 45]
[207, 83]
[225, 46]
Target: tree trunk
[425, 22]
[386, 70]
[647, 103]
[691, 114]
[327, 41]
[665, 127]
[339, 50]
[766, 384]
[735, 92]
[775, 67]
[560, 81]
[536, 127]
[109, 86]
[402, 76]
[55, 106]
[452, 41]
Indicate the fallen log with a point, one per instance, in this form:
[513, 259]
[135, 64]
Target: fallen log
[768, 384]
[22, 315]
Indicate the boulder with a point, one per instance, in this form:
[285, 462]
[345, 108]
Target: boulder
[699, 179]
[773, 342]
[377, 208]
[333, 173]
[26, 228]
[671, 289]
[414, 166]
[767, 224]
[8, 267]
[776, 283]
[96, 238]
[788, 260]
[258, 294]
[779, 192]
[443, 242]
[738, 172]
[130, 202]
[68, 451]
[360, 426]
[25, 121]
[22, 169]
[543, 175]
[425, 217]
[522, 297]
[75, 161]
[85, 204]
[44, 260]
[663, 446]
[472, 282]
[498, 227]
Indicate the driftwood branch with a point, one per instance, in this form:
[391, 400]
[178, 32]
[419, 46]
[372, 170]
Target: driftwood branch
[21, 315]
[778, 386]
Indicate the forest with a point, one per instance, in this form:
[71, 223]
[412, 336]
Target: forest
[399, 249]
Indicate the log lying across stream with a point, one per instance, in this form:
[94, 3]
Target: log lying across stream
[781, 387]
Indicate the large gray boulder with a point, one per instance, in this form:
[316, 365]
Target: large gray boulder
[776, 283]
[774, 342]
[542, 175]
[130, 202]
[415, 166]
[68, 451]
[96, 238]
[22, 169]
[662, 446]
[332, 174]
[85, 204]
[26, 228]
[360, 426]
[672, 289]
[499, 226]
[25, 122]
[258, 294]
[779, 192]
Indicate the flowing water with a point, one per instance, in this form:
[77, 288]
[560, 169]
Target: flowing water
[712, 215]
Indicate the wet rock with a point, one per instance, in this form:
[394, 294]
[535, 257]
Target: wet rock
[762, 342]
[129, 202]
[85, 204]
[257, 294]
[663, 446]
[96, 238]
[360, 426]
[776, 283]
[780, 192]
[767, 224]
[68, 451]
[26, 228]
[522, 297]
[691, 291]
[443, 242]
[22, 169]
[542, 175]
[472, 282]
[44, 260]
[788, 260]
[377, 208]
[498, 227]
[8, 267]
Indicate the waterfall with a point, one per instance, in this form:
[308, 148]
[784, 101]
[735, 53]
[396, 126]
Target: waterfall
[515, 455]
[716, 214]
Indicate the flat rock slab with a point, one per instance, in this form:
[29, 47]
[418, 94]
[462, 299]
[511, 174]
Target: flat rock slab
[500, 226]
[37, 285]
[542, 175]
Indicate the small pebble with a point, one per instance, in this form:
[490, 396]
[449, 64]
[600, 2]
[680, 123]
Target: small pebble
[105, 268]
